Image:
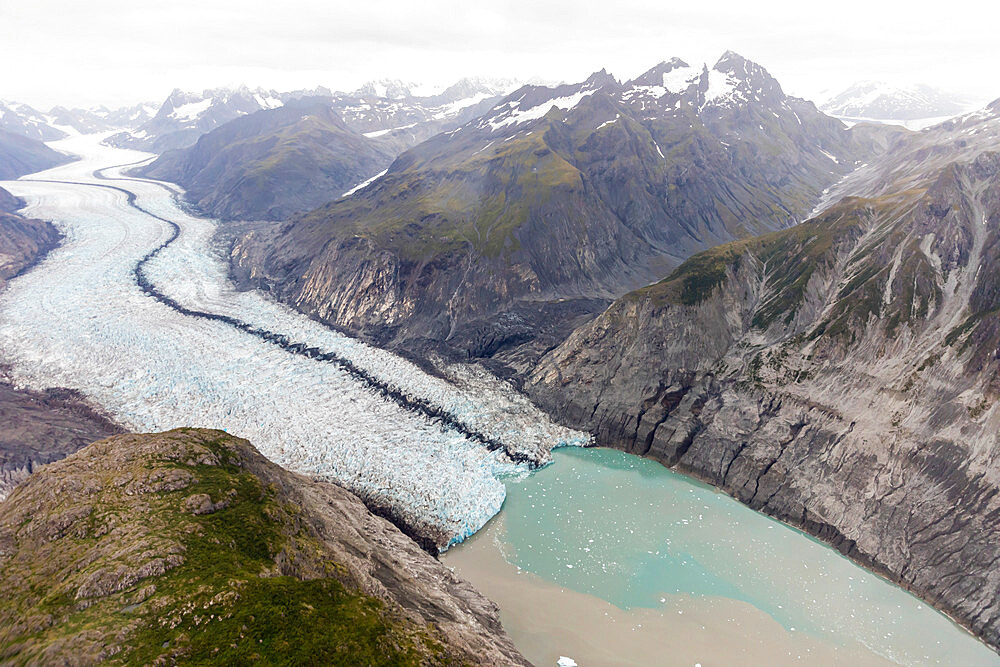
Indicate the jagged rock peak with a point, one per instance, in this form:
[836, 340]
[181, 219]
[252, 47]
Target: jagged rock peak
[745, 75]
[600, 80]
[656, 76]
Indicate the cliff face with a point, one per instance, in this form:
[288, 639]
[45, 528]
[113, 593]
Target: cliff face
[553, 203]
[191, 546]
[840, 375]
[23, 241]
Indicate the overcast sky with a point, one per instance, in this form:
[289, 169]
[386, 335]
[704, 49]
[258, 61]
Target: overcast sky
[114, 52]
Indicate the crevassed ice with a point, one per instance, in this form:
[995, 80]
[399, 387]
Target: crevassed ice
[78, 320]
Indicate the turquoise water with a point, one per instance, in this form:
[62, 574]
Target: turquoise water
[637, 535]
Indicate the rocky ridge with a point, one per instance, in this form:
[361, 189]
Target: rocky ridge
[191, 546]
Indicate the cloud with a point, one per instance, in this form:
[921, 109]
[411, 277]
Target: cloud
[119, 51]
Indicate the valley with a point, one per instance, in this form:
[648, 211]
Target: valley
[680, 368]
[137, 280]
[98, 333]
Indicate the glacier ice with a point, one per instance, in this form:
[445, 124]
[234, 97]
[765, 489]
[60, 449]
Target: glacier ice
[79, 320]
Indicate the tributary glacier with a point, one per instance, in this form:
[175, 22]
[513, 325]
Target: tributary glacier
[80, 320]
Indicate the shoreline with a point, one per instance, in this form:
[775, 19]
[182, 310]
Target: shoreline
[868, 565]
[871, 566]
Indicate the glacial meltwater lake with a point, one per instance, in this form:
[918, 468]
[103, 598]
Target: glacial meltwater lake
[612, 559]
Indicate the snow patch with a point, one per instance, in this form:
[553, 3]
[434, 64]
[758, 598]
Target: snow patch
[267, 102]
[190, 111]
[449, 110]
[365, 184]
[720, 85]
[609, 122]
[518, 116]
[680, 79]
[379, 133]
[830, 155]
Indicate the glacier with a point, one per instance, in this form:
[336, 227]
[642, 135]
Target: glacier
[322, 403]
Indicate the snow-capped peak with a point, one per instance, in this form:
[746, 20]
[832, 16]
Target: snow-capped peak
[733, 80]
[392, 89]
[531, 103]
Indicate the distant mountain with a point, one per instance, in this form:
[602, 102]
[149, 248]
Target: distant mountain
[101, 119]
[841, 375]
[882, 101]
[20, 155]
[274, 163]
[394, 89]
[23, 120]
[184, 117]
[416, 112]
[60, 121]
[377, 107]
[552, 202]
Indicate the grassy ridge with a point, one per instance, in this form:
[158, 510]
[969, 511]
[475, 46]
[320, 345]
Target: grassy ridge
[187, 558]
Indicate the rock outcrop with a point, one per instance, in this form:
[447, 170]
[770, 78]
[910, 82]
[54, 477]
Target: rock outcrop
[23, 241]
[38, 427]
[840, 375]
[191, 546]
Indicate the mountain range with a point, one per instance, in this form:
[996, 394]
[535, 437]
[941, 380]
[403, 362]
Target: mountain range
[517, 224]
[59, 122]
[291, 159]
[377, 108]
[883, 101]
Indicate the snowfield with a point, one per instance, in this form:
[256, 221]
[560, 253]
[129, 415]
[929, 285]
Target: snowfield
[80, 320]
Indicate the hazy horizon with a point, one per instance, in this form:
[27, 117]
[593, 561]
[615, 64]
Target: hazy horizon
[129, 52]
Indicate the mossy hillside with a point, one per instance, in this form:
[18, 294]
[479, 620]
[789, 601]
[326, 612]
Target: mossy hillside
[123, 565]
[790, 257]
[479, 201]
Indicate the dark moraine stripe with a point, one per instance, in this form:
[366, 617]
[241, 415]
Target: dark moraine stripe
[415, 405]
